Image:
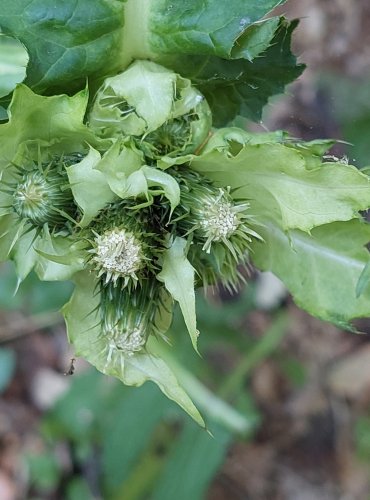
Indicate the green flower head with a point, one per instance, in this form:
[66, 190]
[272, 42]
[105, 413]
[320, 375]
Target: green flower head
[117, 254]
[120, 245]
[220, 227]
[162, 111]
[37, 205]
[40, 194]
[129, 317]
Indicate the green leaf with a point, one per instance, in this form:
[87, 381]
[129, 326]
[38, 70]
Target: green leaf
[194, 460]
[160, 109]
[214, 408]
[321, 270]
[50, 119]
[212, 43]
[123, 170]
[8, 233]
[89, 186]
[84, 332]
[146, 87]
[239, 86]
[67, 41]
[24, 254]
[193, 26]
[118, 164]
[59, 257]
[177, 274]
[282, 185]
[13, 63]
[166, 182]
[125, 439]
[313, 151]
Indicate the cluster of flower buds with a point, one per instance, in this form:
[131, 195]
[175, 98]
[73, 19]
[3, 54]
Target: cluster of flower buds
[111, 196]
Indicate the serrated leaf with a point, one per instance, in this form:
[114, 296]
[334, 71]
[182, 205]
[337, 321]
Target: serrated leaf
[281, 183]
[211, 43]
[67, 41]
[83, 327]
[239, 86]
[320, 270]
[177, 274]
[313, 151]
[51, 119]
[197, 27]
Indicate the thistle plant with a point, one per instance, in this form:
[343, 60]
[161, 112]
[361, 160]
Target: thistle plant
[135, 195]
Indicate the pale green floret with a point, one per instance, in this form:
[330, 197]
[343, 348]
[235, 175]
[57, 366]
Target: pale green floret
[126, 341]
[117, 253]
[218, 221]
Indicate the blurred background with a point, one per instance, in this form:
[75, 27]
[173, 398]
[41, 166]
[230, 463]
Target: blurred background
[286, 396]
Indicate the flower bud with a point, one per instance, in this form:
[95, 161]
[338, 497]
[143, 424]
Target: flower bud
[220, 227]
[129, 317]
[41, 194]
[163, 112]
[120, 245]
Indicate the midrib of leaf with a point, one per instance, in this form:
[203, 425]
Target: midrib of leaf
[135, 39]
[314, 247]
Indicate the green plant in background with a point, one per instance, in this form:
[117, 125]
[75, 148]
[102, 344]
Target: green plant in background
[139, 189]
[98, 417]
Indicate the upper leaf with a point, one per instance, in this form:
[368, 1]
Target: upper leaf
[196, 26]
[66, 41]
[240, 86]
[292, 193]
[236, 59]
